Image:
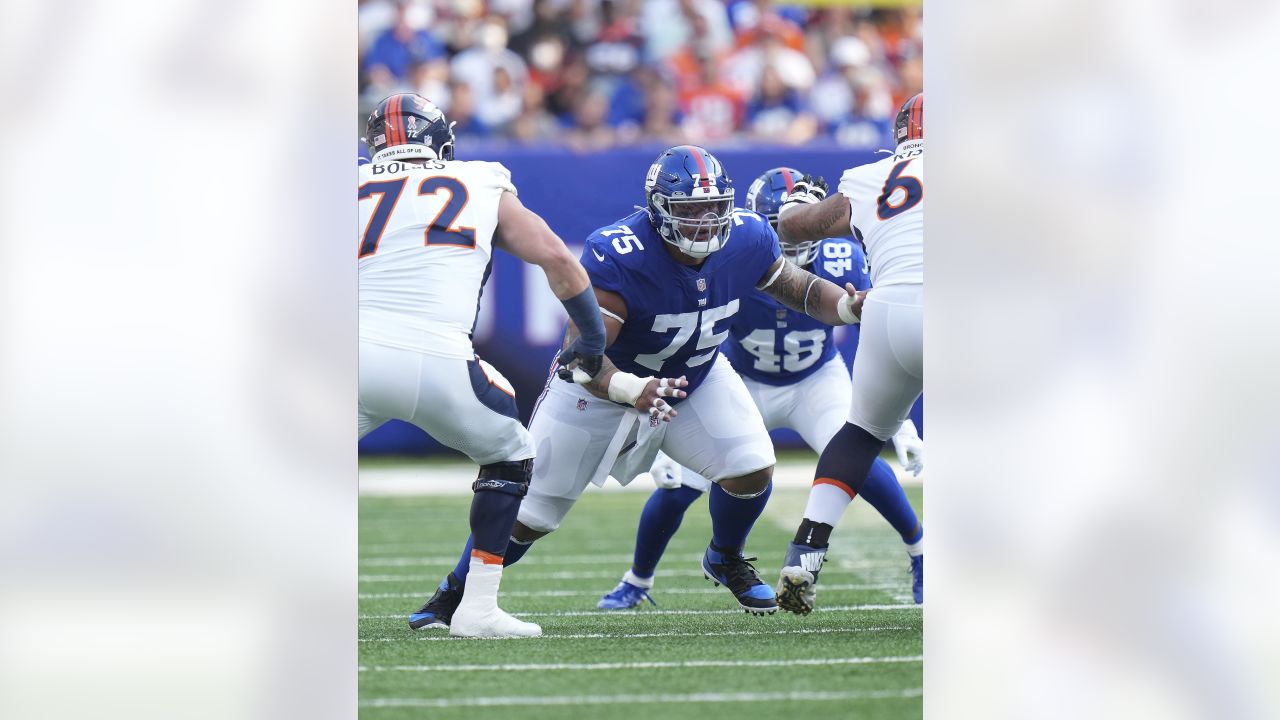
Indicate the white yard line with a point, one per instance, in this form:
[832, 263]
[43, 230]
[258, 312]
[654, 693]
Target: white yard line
[548, 559]
[826, 696]
[629, 636]
[644, 665]
[594, 593]
[633, 614]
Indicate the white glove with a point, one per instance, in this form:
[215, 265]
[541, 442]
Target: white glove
[666, 472]
[807, 191]
[910, 448]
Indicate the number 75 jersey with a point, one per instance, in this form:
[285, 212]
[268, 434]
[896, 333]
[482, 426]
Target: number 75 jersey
[677, 315]
[886, 203]
[425, 245]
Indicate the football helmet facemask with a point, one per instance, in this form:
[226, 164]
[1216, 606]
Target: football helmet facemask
[689, 199]
[765, 197]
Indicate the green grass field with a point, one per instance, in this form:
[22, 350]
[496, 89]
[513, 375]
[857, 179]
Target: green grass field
[695, 655]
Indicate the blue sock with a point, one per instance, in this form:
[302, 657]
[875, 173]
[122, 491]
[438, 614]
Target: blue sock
[883, 492]
[658, 522]
[732, 517]
[513, 553]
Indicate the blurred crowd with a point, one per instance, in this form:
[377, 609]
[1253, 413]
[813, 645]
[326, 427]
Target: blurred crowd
[593, 74]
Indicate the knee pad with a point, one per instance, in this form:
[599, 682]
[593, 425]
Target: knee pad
[510, 477]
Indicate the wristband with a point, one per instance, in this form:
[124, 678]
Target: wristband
[626, 388]
[584, 311]
[844, 308]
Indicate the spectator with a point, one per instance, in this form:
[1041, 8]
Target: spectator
[462, 113]
[667, 26]
[505, 102]
[662, 119]
[477, 66]
[745, 67]
[431, 80]
[834, 95]
[777, 114]
[546, 25]
[712, 108]
[535, 124]
[866, 124]
[402, 45]
[591, 133]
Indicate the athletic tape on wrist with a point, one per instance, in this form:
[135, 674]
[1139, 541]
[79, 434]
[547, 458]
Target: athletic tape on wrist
[844, 308]
[626, 388]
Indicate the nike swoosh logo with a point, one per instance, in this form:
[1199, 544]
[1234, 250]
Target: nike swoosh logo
[598, 255]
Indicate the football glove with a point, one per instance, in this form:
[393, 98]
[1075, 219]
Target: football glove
[574, 366]
[811, 189]
[910, 448]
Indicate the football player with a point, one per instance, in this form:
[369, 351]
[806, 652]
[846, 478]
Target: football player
[797, 379]
[669, 278]
[428, 226]
[882, 204]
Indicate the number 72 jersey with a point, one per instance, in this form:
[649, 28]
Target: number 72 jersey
[886, 203]
[425, 244]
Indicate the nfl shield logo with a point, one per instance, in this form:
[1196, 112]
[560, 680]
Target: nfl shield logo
[582, 404]
[653, 421]
[702, 284]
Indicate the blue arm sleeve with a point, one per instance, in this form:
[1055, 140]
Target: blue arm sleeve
[584, 311]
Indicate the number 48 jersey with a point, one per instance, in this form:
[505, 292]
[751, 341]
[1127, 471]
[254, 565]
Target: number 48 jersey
[426, 243]
[772, 344]
[677, 315]
[886, 203]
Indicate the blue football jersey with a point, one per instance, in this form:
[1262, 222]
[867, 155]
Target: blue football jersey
[775, 345]
[677, 316]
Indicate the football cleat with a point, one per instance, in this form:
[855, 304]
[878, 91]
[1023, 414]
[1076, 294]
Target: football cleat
[917, 578]
[440, 608]
[797, 584]
[737, 574]
[624, 597]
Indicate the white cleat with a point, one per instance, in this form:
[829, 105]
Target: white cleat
[496, 623]
[478, 615]
[797, 590]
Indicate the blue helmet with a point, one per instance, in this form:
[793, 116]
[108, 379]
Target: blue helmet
[690, 200]
[408, 126]
[765, 196]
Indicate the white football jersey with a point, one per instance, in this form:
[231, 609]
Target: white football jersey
[886, 200]
[425, 243]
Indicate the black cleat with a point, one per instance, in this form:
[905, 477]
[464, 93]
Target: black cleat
[438, 611]
[739, 576]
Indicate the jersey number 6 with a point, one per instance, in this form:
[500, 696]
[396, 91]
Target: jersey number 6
[440, 231]
[913, 192]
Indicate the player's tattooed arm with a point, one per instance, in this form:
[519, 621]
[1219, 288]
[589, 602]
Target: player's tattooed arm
[649, 398]
[805, 292]
[829, 218]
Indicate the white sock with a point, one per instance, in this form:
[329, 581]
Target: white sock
[646, 583]
[827, 503]
[916, 548]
